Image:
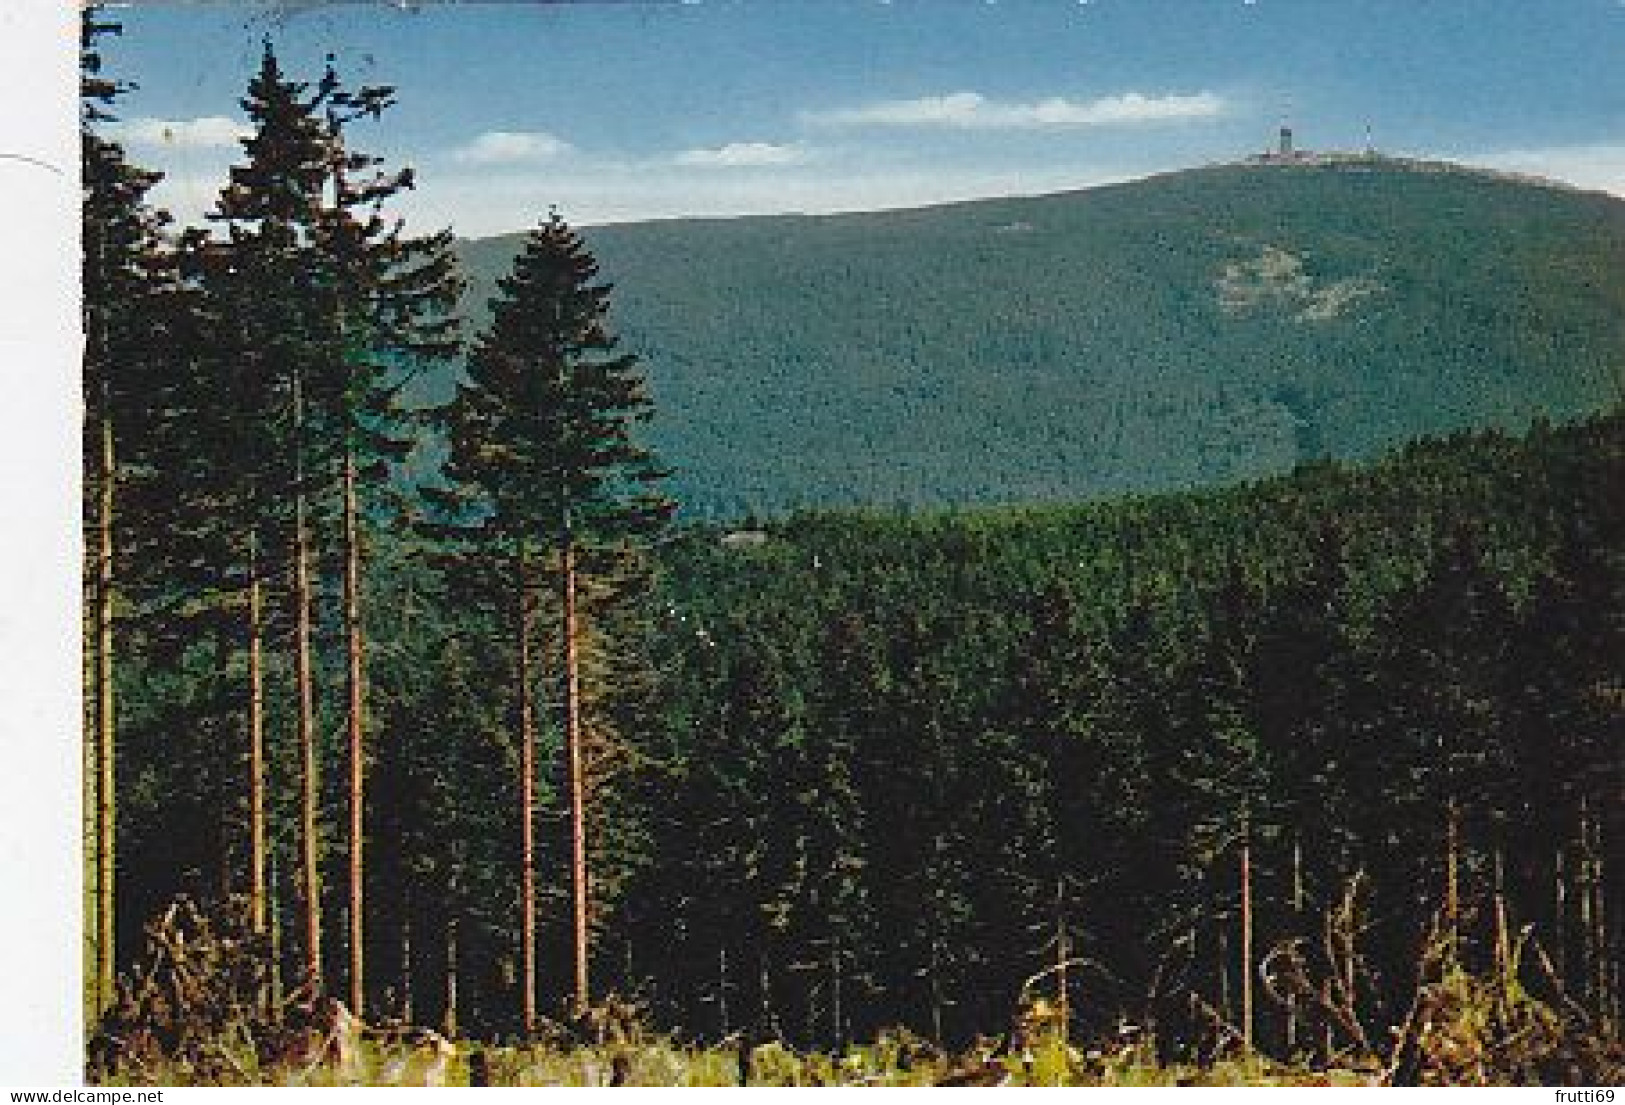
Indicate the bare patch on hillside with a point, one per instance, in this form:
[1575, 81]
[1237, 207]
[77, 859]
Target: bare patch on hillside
[1277, 279]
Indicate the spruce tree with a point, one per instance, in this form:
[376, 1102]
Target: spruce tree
[1445, 657]
[333, 306]
[542, 434]
[260, 280]
[129, 285]
[389, 299]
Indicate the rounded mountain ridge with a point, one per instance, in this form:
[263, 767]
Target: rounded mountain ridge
[1197, 327]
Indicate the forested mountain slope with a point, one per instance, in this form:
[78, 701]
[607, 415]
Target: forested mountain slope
[1192, 328]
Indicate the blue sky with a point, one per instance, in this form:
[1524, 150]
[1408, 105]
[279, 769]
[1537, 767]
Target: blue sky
[621, 111]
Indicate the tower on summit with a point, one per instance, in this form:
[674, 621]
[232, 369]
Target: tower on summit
[1286, 151]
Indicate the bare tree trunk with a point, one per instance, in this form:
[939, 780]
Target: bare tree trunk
[1602, 960]
[1452, 889]
[1297, 925]
[1503, 944]
[355, 658]
[527, 801]
[407, 1003]
[256, 742]
[572, 740]
[837, 1013]
[722, 991]
[1609, 965]
[1607, 925]
[257, 890]
[275, 996]
[936, 991]
[1589, 949]
[1247, 939]
[769, 1018]
[1560, 918]
[90, 749]
[450, 1022]
[106, 726]
[1063, 958]
[310, 876]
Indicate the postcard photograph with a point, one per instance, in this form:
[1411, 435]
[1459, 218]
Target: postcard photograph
[863, 543]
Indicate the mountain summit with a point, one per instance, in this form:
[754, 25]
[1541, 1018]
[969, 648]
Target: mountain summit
[1198, 327]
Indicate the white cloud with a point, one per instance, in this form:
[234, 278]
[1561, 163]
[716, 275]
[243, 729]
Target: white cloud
[477, 205]
[973, 111]
[737, 155]
[509, 147]
[207, 133]
[1598, 165]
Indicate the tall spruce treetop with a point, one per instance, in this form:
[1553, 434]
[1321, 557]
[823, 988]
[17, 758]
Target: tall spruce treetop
[274, 197]
[127, 267]
[267, 305]
[316, 283]
[543, 427]
[391, 296]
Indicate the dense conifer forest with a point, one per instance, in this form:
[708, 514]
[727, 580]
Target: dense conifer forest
[891, 758]
[1257, 768]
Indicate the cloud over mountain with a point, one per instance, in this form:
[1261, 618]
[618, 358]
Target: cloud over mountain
[510, 147]
[744, 155]
[974, 111]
